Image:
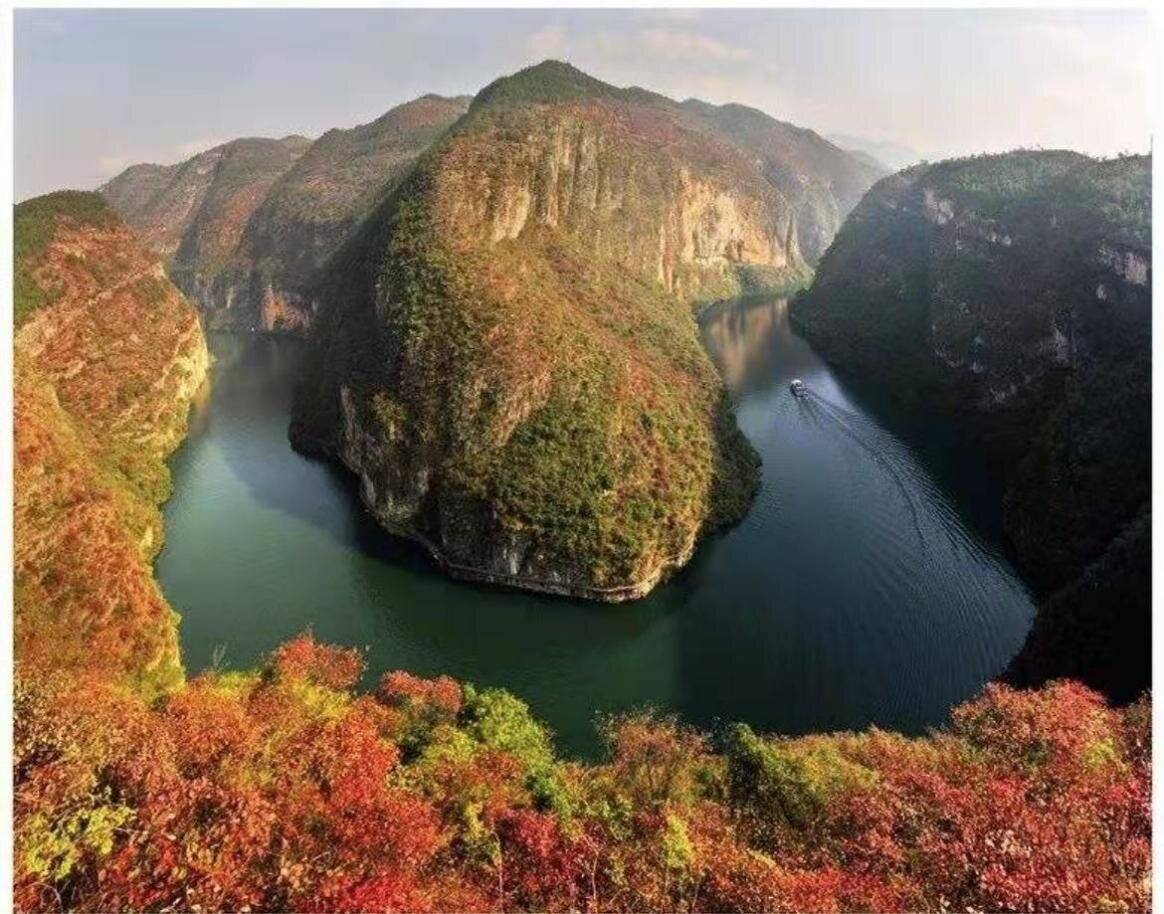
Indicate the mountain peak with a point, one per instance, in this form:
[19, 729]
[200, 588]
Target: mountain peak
[548, 81]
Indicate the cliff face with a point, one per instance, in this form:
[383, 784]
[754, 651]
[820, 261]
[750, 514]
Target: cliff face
[821, 181]
[507, 357]
[193, 214]
[1015, 292]
[218, 188]
[108, 355]
[246, 226]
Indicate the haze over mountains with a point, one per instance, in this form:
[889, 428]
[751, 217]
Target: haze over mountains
[891, 156]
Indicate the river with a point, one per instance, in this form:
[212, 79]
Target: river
[865, 586]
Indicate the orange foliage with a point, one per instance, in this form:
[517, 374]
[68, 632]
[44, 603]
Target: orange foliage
[283, 790]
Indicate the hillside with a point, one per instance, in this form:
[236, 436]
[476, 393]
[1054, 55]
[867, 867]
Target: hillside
[1014, 292]
[192, 213]
[284, 789]
[107, 357]
[244, 227]
[507, 356]
[319, 201]
[822, 182]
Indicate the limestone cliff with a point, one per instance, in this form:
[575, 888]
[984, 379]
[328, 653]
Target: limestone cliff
[193, 214]
[1014, 292]
[108, 355]
[507, 358]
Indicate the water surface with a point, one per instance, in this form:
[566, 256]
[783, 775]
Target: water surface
[864, 586]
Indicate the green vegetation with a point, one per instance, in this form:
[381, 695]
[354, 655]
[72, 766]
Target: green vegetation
[551, 81]
[34, 223]
[995, 185]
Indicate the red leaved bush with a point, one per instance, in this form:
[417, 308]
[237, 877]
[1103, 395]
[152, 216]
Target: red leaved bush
[284, 790]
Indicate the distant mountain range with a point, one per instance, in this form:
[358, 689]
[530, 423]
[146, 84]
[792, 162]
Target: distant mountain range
[886, 153]
[245, 227]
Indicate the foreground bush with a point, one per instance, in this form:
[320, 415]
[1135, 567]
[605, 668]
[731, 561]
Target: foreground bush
[283, 789]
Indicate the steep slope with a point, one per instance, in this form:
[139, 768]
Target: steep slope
[1014, 291]
[315, 206]
[245, 227]
[193, 214]
[822, 181]
[508, 358]
[107, 357]
[218, 188]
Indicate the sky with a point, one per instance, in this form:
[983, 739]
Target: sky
[98, 90]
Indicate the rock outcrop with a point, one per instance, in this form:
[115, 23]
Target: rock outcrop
[1014, 292]
[108, 355]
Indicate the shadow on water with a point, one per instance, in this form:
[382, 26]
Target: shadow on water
[818, 611]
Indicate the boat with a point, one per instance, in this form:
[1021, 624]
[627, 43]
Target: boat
[797, 387]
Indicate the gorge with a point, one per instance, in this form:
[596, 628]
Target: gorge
[542, 340]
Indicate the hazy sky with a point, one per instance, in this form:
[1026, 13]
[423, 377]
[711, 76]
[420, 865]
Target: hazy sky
[99, 90]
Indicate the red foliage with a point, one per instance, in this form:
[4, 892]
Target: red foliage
[401, 689]
[284, 792]
[304, 658]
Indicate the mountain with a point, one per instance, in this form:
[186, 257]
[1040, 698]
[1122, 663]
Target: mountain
[107, 356]
[244, 226]
[888, 154]
[315, 205]
[507, 356]
[193, 213]
[289, 787]
[822, 181]
[1014, 292]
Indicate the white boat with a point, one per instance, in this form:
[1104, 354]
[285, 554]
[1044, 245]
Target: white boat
[797, 387]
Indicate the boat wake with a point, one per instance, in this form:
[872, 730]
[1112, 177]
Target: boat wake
[893, 466]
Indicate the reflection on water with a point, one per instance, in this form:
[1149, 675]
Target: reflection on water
[854, 592]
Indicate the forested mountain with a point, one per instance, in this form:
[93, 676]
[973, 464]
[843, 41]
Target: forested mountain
[1014, 291]
[507, 356]
[107, 356]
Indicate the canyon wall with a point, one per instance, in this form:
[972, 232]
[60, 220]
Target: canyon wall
[1014, 293]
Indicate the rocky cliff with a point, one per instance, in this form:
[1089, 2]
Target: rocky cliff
[108, 355]
[246, 226]
[1014, 292]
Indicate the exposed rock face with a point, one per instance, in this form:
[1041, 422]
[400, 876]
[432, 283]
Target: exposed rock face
[314, 208]
[821, 181]
[1015, 292]
[106, 365]
[507, 357]
[245, 227]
